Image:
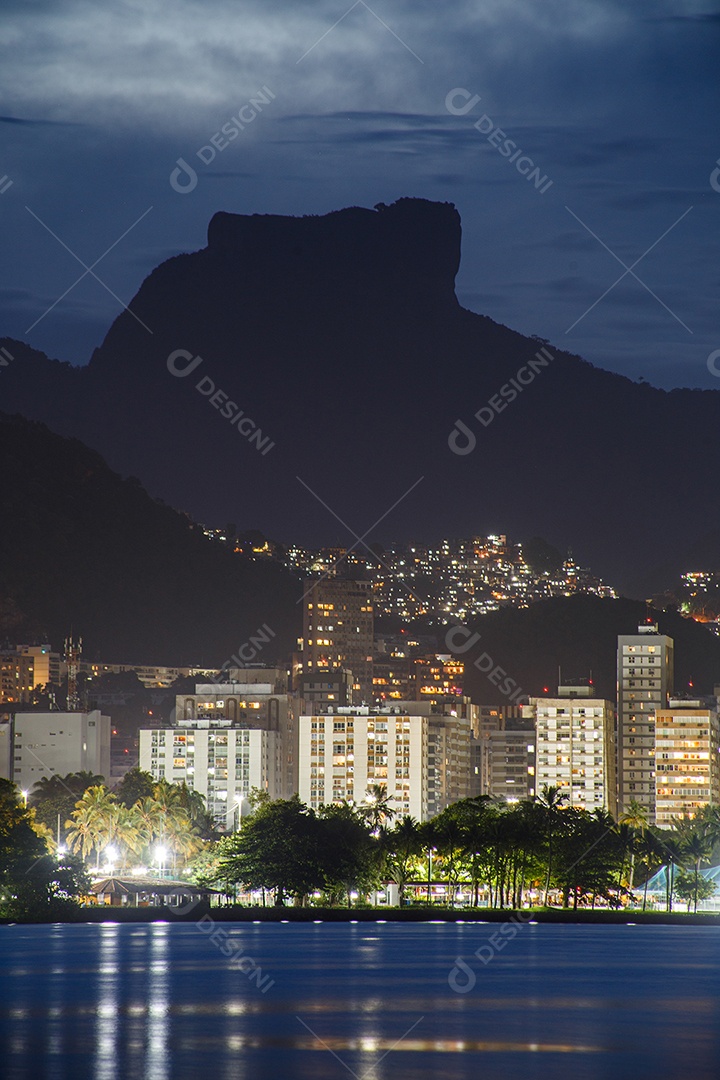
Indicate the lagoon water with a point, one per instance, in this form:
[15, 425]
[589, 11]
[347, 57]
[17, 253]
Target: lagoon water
[161, 1002]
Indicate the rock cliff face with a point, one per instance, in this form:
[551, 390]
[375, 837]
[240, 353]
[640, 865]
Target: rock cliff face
[341, 339]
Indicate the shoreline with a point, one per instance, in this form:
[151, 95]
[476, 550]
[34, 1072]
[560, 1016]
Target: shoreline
[238, 914]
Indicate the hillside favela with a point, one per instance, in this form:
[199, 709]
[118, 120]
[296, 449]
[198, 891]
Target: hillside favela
[359, 540]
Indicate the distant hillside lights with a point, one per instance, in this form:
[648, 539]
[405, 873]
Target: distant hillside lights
[182, 363]
[461, 439]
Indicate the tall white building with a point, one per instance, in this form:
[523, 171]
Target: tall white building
[645, 680]
[687, 759]
[56, 743]
[256, 698]
[575, 747]
[220, 761]
[421, 757]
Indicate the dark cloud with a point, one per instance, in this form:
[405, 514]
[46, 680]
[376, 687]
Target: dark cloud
[614, 105]
[26, 121]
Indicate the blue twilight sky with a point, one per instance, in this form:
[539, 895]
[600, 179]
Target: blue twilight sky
[615, 101]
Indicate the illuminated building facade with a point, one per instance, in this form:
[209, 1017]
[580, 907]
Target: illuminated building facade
[338, 628]
[687, 759]
[422, 757]
[575, 738]
[645, 668]
[220, 761]
[503, 754]
[249, 704]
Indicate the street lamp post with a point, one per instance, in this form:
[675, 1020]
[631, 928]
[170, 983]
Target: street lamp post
[111, 854]
[161, 852]
[238, 813]
[429, 883]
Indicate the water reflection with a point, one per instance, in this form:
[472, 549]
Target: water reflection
[162, 1003]
[157, 1060]
[106, 1025]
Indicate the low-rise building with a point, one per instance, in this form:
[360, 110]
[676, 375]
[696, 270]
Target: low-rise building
[56, 743]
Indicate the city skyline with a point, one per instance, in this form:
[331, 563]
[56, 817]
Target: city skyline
[360, 554]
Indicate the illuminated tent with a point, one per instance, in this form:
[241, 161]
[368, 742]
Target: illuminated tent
[658, 882]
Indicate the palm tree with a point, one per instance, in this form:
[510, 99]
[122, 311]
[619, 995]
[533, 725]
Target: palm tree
[172, 822]
[52, 787]
[697, 847]
[551, 801]
[151, 818]
[125, 829]
[377, 810]
[90, 824]
[181, 835]
[403, 845]
[673, 853]
[652, 852]
[635, 817]
[449, 840]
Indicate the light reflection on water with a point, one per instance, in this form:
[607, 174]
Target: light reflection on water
[161, 1002]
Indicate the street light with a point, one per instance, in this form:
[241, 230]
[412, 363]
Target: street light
[25, 797]
[161, 852]
[111, 854]
[429, 882]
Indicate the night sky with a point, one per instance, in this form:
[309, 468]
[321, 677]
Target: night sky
[616, 103]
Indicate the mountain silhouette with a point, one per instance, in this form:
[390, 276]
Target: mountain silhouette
[578, 635]
[82, 549]
[341, 342]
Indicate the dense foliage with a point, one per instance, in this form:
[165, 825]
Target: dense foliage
[535, 852]
[34, 881]
[144, 821]
[531, 853]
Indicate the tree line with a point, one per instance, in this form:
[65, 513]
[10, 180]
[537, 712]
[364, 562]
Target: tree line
[535, 852]
[532, 853]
